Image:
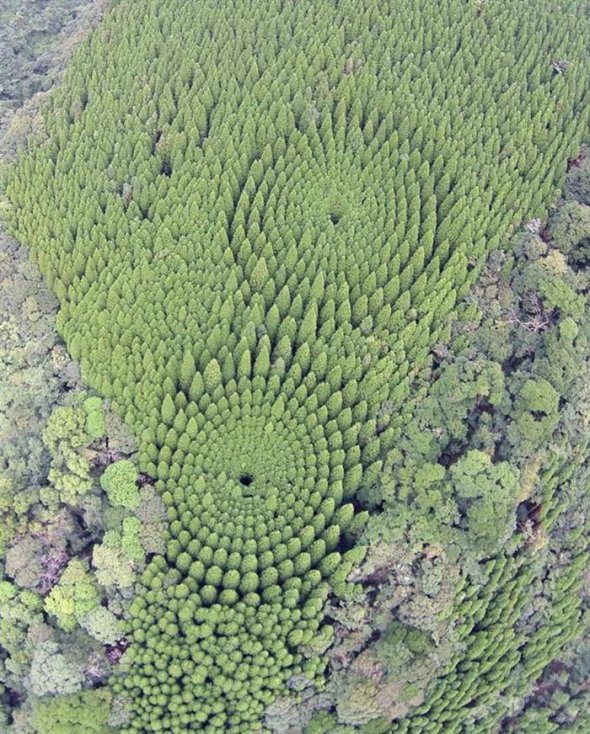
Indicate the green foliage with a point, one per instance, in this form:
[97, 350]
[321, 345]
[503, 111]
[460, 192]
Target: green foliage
[73, 597]
[571, 232]
[20, 613]
[131, 543]
[95, 422]
[256, 245]
[65, 435]
[535, 412]
[119, 482]
[488, 492]
[30, 362]
[102, 625]
[560, 701]
[113, 569]
[578, 182]
[87, 711]
[451, 568]
[53, 673]
[30, 33]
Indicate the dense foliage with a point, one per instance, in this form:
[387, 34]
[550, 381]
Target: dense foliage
[469, 660]
[259, 220]
[35, 36]
[68, 558]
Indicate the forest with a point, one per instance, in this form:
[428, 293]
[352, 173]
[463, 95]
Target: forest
[295, 356]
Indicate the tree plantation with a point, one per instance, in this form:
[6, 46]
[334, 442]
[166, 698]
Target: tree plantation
[325, 469]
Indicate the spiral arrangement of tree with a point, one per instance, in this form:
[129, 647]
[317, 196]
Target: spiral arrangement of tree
[261, 220]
